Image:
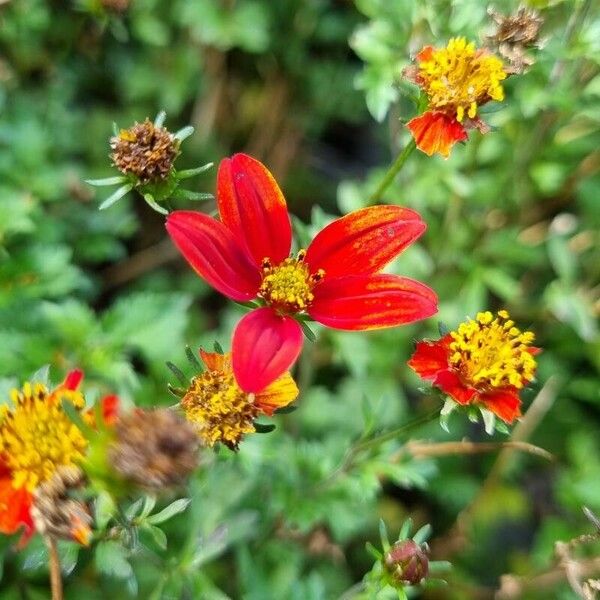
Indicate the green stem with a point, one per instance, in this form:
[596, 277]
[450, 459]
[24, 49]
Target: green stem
[393, 171]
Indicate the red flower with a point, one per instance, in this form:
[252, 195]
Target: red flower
[23, 463]
[336, 281]
[486, 361]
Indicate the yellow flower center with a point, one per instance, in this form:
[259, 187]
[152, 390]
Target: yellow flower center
[492, 353]
[37, 437]
[288, 286]
[221, 411]
[459, 78]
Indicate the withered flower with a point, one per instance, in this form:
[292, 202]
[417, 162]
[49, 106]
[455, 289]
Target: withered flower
[145, 150]
[154, 449]
[55, 513]
[515, 34]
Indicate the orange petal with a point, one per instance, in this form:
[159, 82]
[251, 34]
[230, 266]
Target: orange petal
[215, 361]
[15, 509]
[425, 54]
[280, 393]
[430, 358]
[504, 403]
[436, 132]
[364, 241]
[450, 383]
[253, 208]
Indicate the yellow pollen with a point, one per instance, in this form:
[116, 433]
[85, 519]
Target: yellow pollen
[220, 410]
[491, 352]
[37, 436]
[460, 78]
[288, 286]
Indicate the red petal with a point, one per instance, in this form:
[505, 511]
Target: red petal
[110, 408]
[252, 206]
[371, 302]
[436, 132]
[364, 241]
[504, 403]
[72, 380]
[430, 358]
[425, 54]
[14, 510]
[213, 252]
[265, 345]
[449, 382]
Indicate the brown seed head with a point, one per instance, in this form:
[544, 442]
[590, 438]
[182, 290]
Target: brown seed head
[154, 449]
[407, 562]
[514, 35]
[55, 513]
[144, 150]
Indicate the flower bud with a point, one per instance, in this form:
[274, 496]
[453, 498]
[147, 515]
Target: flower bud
[407, 562]
[154, 449]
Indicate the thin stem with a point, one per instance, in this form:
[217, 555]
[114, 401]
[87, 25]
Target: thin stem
[393, 171]
[55, 574]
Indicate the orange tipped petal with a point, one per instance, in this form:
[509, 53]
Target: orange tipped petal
[371, 302]
[214, 253]
[436, 132]
[364, 241]
[253, 208]
[215, 361]
[430, 358]
[450, 383]
[15, 510]
[280, 393]
[504, 403]
[265, 345]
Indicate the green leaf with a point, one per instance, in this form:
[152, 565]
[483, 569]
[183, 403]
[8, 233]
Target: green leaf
[184, 133]
[177, 372]
[373, 551]
[405, 530]
[218, 348]
[383, 535]
[111, 559]
[42, 375]
[124, 189]
[105, 509]
[107, 180]
[264, 427]
[187, 173]
[423, 534]
[308, 332]
[170, 511]
[160, 119]
[153, 204]
[158, 536]
[189, 195]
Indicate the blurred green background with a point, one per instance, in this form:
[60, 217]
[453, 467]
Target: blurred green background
[312, 88]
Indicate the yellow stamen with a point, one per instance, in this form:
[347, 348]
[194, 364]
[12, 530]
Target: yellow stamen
[459, 78]
[37, 436]
[288, 286]
[492, 353]
[218, 407]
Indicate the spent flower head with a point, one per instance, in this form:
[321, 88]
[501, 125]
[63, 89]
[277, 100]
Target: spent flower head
[145, 154]
[456, 81]
[485, 362]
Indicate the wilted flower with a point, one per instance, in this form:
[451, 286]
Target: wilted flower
[221, 411]
[407, 562]
[153, 449]
[335, 281]
[485, 362]
[37, 437]
[457, 80]
[514, 35]
[55, 513]
[145, 151]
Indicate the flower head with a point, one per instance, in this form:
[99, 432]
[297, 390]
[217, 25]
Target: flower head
[407, 562]
[486, 361]
[335, 281]
[457, 80]
[145, 150]
[221, 411]
[153, 449]
[37, 438]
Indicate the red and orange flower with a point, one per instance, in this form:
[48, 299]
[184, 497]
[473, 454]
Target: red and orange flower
[336, 281]
[457, 80]
[37, 437]
[484, 362]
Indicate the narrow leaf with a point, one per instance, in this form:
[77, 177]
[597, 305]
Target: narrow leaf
[170, 511]
[264, 427]
[184, 133]
[106, 180]
[189, 195]
[192, 358]
[160, 119]
[218, 348]
[423, 534]
[308, 332]
[152, 204]
[177, 372]
[124, 189]
[187, 173]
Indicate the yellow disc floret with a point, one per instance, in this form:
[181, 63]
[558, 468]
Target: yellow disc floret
[37, 436]
[492, 353]
[459, 78]
[288, 286]
[221, 411]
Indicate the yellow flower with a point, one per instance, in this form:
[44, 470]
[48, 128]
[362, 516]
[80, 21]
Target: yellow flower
[221, 410]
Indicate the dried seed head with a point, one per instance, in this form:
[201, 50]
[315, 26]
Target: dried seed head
[55, 513]
[154, 449]
[115, 5]
[514, 35]
[144, 150]
[407, 562]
